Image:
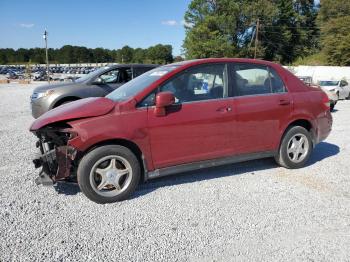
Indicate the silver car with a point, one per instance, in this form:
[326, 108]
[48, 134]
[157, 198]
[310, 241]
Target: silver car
[96, 84]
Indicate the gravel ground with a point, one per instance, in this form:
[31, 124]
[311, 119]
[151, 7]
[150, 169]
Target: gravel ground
[252, 211]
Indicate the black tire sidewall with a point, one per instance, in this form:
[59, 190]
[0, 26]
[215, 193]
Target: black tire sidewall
[96, 154]
[283, 155]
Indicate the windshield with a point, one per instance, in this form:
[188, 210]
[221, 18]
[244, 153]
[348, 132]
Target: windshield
[139, 83]
[92, 74]
[328, 83]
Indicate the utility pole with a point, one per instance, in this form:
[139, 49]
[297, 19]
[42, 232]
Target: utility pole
[47, 56]
[256, 37]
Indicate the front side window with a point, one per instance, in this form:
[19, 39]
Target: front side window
[252, 79]
[121, 75]
[140, 83]
[110, 76]
[343, 83]
[200, 83]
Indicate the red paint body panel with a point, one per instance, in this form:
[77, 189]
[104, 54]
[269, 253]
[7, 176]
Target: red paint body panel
[192, 132]
[199, 130]
[88, 107]
[260, 118]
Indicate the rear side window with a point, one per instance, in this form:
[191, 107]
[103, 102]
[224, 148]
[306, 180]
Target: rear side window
[343, 83]
[140, 70]
[252, 79]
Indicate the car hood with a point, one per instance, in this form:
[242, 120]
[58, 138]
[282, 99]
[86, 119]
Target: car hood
[83, 108]
[329, 87]
[44, 88]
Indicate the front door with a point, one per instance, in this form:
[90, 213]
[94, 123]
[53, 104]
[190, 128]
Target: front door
[199, 126]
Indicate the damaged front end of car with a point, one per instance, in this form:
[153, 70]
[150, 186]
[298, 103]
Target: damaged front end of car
[57, 158]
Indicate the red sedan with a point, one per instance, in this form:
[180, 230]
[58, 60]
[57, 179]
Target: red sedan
[181, 117]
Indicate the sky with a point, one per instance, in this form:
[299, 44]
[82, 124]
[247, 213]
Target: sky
[109, 24]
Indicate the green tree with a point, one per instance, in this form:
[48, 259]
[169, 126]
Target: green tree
[224, 28]
[334, 19]
[159, 54]
[126, 54]
[69, 54]
[139, 55]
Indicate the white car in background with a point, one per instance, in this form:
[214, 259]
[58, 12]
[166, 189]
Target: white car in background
[340, 88]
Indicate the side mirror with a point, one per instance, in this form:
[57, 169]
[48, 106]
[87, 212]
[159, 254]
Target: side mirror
[98, 81]
[163, 99]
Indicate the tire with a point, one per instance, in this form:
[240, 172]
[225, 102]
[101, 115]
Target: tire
[332, 106]
[103, 180]
[292, 154]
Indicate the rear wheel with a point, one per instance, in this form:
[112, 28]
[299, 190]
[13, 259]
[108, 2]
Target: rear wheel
[295, 148]
[109, 174]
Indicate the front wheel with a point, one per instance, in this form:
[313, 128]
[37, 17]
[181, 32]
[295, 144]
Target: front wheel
[109, 174]
[295, 148]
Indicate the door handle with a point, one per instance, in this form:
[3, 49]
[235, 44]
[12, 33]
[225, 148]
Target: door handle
[224, 109]
[284, 102]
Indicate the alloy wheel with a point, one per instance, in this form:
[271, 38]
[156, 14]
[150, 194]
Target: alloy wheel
[111, 175]
[298, 148]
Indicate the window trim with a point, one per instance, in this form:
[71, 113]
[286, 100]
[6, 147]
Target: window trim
[232, 82]
[225, 86]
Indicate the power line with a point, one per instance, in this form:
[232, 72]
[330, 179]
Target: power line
[279, 33]
[292, 27]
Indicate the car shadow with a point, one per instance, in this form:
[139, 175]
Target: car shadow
[248, 167]
[322, 151]
[68, 189]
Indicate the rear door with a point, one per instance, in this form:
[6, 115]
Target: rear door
[199, 126]
[262, 105]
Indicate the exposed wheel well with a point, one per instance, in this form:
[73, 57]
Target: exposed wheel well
[65, 99]
[122, 142]
[301, 122]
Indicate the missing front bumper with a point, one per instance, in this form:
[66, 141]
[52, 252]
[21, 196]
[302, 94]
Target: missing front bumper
[56, 165]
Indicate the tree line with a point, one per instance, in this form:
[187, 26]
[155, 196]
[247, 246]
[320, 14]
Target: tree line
[286, 31]
[68, 54]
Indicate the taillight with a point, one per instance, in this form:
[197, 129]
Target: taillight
[325, 101]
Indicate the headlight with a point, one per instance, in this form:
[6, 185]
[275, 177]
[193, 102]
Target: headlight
[42, 94]
[332, 90]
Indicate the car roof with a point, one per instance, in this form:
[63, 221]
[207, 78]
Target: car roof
[221, 60]
[132, 65]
